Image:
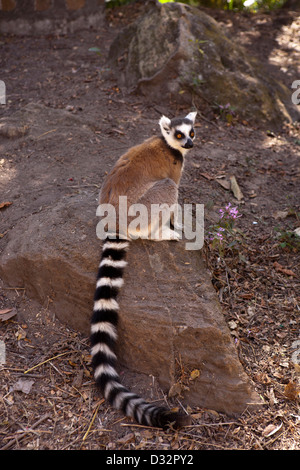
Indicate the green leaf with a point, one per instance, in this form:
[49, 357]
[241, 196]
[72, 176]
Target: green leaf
[95, 49]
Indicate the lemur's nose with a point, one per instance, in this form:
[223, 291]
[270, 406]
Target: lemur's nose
[189, 144]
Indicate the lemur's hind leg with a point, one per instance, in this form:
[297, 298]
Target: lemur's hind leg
[160, 202]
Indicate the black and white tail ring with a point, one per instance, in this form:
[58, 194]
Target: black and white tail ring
[103, 341]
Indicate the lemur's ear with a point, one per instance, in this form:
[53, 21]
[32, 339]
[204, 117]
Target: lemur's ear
[192, 116]
[165, 123]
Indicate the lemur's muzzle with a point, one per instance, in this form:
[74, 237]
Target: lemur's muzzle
[189, 144]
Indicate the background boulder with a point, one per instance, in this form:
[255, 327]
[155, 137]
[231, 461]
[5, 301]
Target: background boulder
[189, 58]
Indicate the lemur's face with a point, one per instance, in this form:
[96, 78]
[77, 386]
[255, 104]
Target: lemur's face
[184, 135]
[179, 132]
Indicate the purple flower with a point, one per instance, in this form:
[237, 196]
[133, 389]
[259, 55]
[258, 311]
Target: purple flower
[234, 213]
[229, 212]
[218, 234]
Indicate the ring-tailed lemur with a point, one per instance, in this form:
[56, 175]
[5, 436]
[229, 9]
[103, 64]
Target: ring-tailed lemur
[148, 173]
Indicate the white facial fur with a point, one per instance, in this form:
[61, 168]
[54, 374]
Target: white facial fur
[168, 131]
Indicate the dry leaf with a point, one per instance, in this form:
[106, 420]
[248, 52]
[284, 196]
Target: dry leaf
[207, 176]
[271, 396]
[236, 430]
[6, 310]
[280, 214]
[292, 391]
[175, 390]
[271, 429]
[214, 413]
[127, 438]
[236, 189]
[194, 374]
[232, 324]
[77, 381]
[247, 296]
[297, 368]
[297, 231]
[21, 334]
[279, 268]
[147, 434]
[23, 385]
[223, 182]
[9, 400]
[262, 378]
[7, 313]
[175, 409]
[5, 204]
[197, 415]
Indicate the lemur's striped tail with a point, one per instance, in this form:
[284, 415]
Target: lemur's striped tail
[103, 341]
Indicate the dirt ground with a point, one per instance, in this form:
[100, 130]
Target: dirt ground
[54, 405]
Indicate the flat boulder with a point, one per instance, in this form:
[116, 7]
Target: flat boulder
[170, 316]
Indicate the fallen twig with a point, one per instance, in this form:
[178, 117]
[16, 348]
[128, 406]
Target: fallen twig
[47, 360]
[93, 419]
[21, 436]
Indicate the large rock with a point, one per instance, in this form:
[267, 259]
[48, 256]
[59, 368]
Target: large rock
[177, 52]
[169, 311]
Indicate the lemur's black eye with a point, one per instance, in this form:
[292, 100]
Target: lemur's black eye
[178, 135]
[192, 134]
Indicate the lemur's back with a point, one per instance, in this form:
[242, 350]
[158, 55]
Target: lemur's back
[139, 168]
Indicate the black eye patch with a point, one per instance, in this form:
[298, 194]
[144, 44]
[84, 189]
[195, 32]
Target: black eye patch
[179, 135]
[192, 133]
